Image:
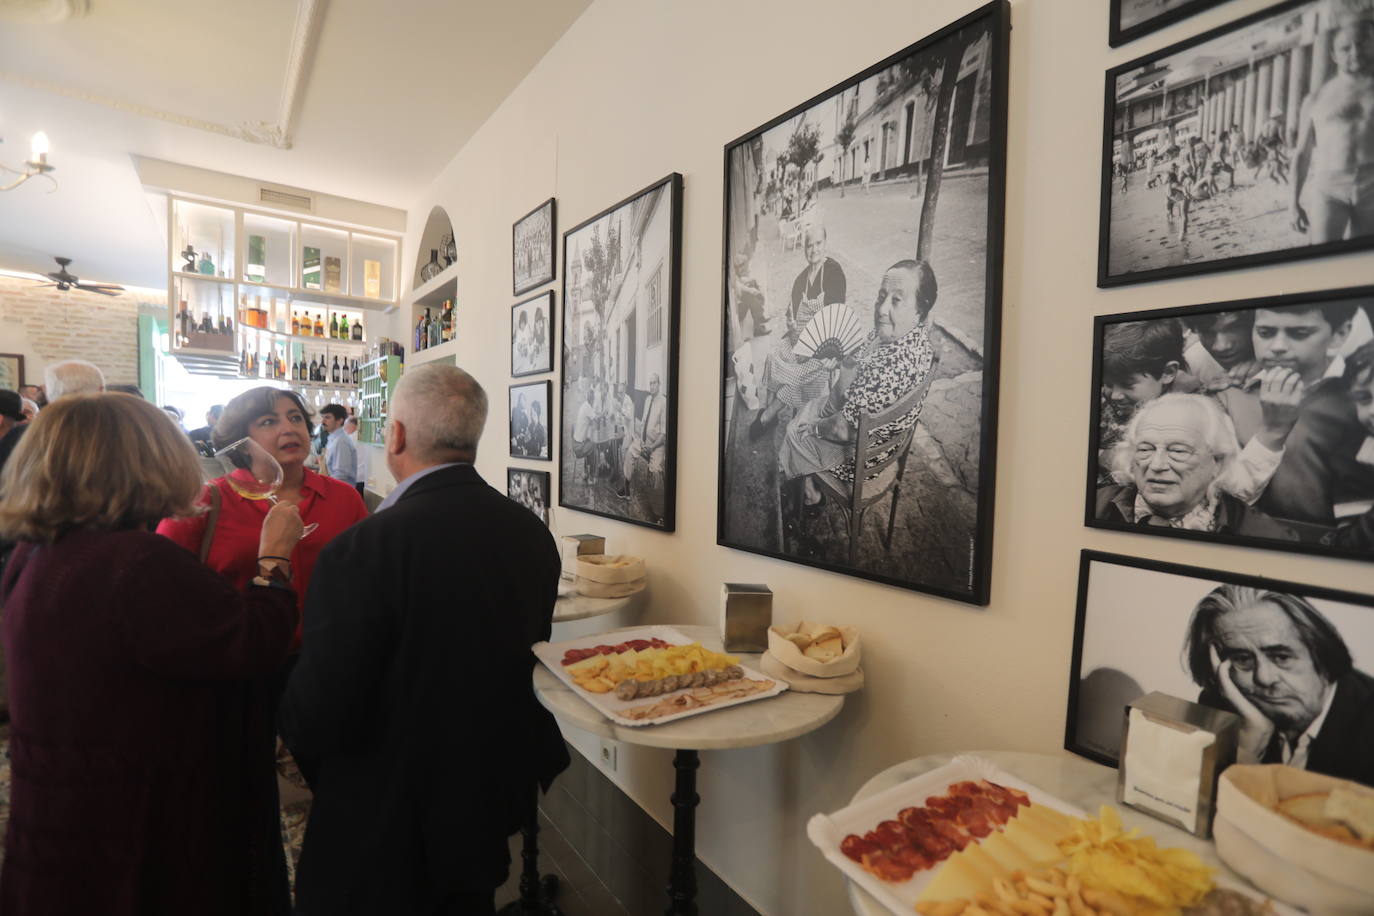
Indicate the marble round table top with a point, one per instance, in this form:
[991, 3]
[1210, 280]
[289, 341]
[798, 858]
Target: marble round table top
[1066, 776]
[787, 715]
[572, 606]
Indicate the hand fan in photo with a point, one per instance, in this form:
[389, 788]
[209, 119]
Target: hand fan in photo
[832, 333]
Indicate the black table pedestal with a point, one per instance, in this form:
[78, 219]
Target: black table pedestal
[536, 893]
[682, 876]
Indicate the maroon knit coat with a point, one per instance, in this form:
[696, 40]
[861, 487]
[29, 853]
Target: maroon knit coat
[140, 737]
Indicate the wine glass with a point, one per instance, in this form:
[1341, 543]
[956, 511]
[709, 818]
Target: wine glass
[252, 472]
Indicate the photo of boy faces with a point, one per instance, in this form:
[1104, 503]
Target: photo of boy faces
[531, 336]
[530, 489]
[1245, 421]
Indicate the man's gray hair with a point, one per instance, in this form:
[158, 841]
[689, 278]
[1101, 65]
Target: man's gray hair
[1218, 434]
[443, 410]
[72, 376]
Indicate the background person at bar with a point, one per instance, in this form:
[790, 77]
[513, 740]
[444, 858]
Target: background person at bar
[133, 791]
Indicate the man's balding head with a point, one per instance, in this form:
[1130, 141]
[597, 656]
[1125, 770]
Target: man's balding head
[443, 411]
[73, 376]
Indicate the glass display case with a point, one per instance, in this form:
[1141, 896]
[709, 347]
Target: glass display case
[202, 239]
[373, 272]
[324, 259]
[269, 244]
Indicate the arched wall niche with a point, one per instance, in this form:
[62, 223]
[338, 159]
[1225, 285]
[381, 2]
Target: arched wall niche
[437, 228]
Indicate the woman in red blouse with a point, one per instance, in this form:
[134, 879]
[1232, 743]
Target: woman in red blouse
[277, 420]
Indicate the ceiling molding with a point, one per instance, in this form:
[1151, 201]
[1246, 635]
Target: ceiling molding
[300, 55]
[43, 12]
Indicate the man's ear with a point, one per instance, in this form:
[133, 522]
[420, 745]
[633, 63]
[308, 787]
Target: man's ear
[396, 438]
[1169, 374]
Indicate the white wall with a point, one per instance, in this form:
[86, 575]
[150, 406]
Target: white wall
[639, 88]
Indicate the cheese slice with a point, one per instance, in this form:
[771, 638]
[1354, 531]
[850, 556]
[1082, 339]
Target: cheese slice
[1008, 854]
[958, 878]
[1037, 844]
[1028, 842]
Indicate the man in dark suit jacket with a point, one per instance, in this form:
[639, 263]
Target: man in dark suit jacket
[412, 702]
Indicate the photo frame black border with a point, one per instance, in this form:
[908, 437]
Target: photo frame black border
[516, 288]
[980, 573]
[19, 362]
[674, 182]
[553, 337]
[1094, 420]
[1085, 561]
[1303, 252]
[1117, 36]
[548, 394]
[545, 477]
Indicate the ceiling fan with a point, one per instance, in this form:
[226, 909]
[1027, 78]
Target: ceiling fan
[65, 280]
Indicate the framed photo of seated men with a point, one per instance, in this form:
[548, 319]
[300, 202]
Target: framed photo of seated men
[1248, 144]
[861, 319]
[622, 271]
[529, 420]
[1295, 662]
[1246, 422]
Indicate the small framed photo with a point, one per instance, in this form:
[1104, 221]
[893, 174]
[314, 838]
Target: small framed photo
[1294, 661]
[530, 489]
[1247, 422]
[1231, 149]
[1131, 19]
[529, 420]
[531, 335]
[11, 370]
[532, 251]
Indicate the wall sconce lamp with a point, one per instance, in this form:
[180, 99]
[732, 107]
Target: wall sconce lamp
[36, 165]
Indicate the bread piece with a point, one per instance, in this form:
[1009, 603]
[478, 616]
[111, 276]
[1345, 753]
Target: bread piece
[1353, 809]
[1309, 810]
[800, 640]
[823, 632]
[825, 650]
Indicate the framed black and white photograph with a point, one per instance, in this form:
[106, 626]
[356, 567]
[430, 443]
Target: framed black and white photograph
[530, 489]
[618, 413]
[1131, 19]
[531, 336]
[1247, 422]
[1235, 148]
[532, 248]
[861, 319]
[1294, 661]
[11, 370]
[529, 420]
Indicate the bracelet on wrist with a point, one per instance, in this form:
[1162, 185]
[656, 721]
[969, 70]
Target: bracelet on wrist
[271, 557]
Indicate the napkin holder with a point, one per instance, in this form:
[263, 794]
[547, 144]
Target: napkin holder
[746, 612]
[1172, 754]
[572, 546]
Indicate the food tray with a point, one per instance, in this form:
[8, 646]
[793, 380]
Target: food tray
[611, 706]
[827, 830]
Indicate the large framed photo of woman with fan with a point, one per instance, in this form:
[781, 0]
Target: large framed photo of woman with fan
[862, 301]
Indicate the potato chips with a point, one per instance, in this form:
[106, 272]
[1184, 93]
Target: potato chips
[601, 673]
[1106, 857]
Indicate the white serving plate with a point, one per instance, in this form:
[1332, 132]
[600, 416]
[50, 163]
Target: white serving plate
[826, 831]
[611, 706]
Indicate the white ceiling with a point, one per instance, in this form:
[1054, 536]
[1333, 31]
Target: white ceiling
[388, 92]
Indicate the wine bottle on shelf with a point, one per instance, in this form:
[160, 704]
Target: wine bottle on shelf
[357, 330]
[334, 371]
[420, 336]
[295, 324]
[184, 323]
[205, 326]
[243, 362]
[222, 328]
[319, 326]
[343, 327]
[446, 322]
[436, 332]
[333, 325]
[356, 370]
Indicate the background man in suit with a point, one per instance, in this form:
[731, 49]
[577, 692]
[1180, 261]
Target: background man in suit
[413, 695]
[1275, 660]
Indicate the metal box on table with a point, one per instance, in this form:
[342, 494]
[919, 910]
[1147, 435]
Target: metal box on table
[746, 613]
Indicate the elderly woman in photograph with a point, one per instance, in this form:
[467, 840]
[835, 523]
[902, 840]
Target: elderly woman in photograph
[789, 379]
[133, 790]
[897, 358]
[1177, 451]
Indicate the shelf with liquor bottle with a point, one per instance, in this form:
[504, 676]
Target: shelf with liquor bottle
[202, 316]
[434, 327]
[234, 261]
[378, 381]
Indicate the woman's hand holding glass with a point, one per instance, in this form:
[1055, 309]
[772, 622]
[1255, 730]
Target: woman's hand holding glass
[281, 530]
